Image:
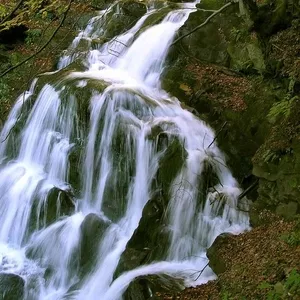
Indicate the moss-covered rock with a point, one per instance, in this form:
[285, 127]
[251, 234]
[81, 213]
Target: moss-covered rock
[143, 247]
[92, 230]
[11, 287]
[171, 163]
[216, 262]
[46, 209]
[145, 287]
[245, 52]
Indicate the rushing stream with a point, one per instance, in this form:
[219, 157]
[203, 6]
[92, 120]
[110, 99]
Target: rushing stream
[95, 144]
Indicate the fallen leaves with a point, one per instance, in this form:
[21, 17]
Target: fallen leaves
[260, 255]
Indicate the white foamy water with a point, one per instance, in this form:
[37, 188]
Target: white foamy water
[65, 159]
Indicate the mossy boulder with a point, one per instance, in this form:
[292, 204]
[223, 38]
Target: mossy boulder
[216, 260]
[209, 43]
[145, 287]
[92, 230]
[225, 40]
[143, 247]
[245, 52]
[210, 4]
[131, 259]
[11, 286]
[58, 202]
[101, 4]
[47, 208]
[171, 163]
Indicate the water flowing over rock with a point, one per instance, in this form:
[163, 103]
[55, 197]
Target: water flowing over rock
[106, 181]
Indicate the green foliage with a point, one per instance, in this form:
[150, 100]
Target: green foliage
[226, 296]
[3, 11]
[293, 238]
[287, 289]
[292, 283]
[32, 35]
[280, 109]
[239, 34]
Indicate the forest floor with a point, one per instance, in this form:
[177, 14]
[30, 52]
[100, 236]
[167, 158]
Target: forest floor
[263, 263]
[38, 33]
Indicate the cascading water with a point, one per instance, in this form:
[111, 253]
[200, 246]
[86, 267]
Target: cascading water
[68, 162]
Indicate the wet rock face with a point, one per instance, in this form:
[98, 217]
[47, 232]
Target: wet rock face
[58, 203]
[92, 230]
[143, 247]
[122, 17]
[145, 287]
[11, 287]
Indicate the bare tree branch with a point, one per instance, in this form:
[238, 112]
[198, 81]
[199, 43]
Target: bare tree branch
[249, 189]
[218, 133]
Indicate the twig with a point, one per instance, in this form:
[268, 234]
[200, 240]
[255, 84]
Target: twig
[203, 24]
[44, 46]
[218, 133]
[202, 271]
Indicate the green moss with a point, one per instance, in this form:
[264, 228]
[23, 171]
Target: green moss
[171, 163]
[154, 18]
[245, 52]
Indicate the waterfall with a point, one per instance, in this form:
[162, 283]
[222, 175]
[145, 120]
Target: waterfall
[90, 149]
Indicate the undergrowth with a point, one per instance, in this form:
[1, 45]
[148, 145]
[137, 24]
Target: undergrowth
[287, 289]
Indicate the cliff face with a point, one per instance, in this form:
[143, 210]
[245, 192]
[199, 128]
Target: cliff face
[240, 72]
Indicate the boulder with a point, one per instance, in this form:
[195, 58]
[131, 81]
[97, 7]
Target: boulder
[11, 287]
[145, 287]
[92, 230]
[216, 262]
